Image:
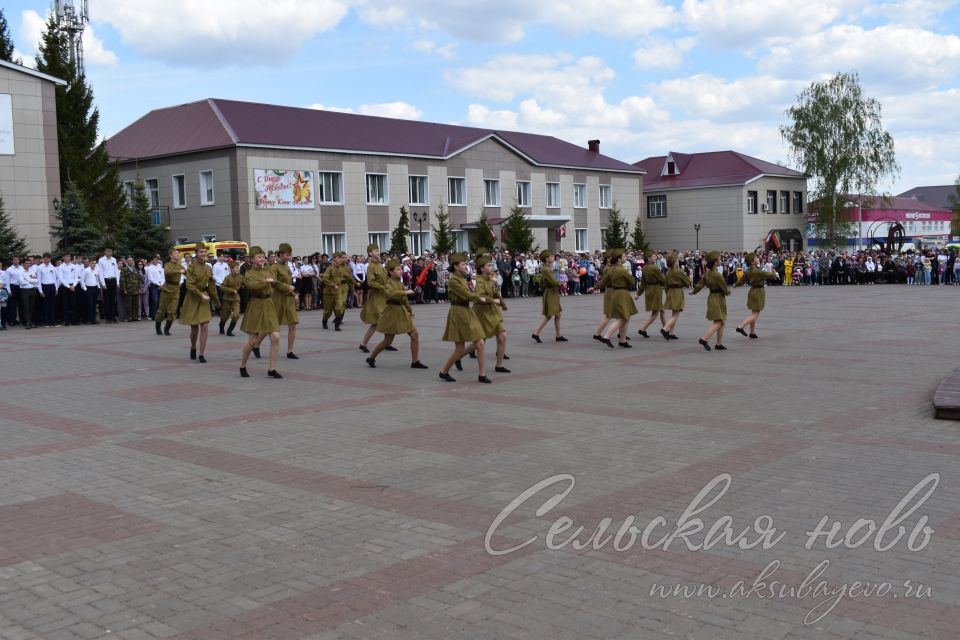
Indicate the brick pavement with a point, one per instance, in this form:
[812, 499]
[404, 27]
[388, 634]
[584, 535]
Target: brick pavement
[344, 502]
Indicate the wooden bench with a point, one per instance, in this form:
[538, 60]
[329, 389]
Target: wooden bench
[946, 399]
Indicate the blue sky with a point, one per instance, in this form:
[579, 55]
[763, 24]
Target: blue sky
[643, 76]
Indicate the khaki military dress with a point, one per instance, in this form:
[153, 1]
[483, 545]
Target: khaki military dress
[488, 313]
[169, 292]
[757, 298]
[376, 297]
[231, 296]
[284, 300]
[260, 315]
[651, 284]
[196, 310]
[717, 301]
[676, 280]
[335, 300]
[462, 323]
[604, 283]
[551, 292]
[620, 284]
[396, 317]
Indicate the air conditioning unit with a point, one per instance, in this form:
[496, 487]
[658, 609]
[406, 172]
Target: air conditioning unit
[764, 207]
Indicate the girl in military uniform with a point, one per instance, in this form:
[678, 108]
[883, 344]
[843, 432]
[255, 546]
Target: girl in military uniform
[757, 297]
[376, 296]
[604, 283]
[489, 313]
[551, 297]
[716, 302]
[463, 326]
[396, 316]
[620, 282]
[652, 281]
[284, 298]
[201, 290]
[169, 292]
[230, 287]
[676, 281]
[260, 317]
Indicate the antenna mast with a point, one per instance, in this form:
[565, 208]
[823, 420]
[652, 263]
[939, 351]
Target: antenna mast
[72, 17]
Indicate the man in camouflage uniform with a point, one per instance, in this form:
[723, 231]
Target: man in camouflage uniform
[130, 289]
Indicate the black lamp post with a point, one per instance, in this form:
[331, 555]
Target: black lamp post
[420, 218]
[696, 228]
[56, 208]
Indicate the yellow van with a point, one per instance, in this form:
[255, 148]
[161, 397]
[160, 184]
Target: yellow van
[236, 249]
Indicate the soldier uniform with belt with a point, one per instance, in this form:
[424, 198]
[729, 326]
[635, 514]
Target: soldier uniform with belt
[284, 298]
[716, 302]
[621, 307]
[169, 292]
[604, 284]
[396, 316]
[230, 288]
[676, 281]
[260, 316]
[195, 312]
[757, 297]
[550, 307]
[488, 313]
[651, 285]
[463, 326]
[376, 296]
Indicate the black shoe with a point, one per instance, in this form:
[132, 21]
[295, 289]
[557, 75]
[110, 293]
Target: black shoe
[741, 332]
[561, 339]
[459, 365]
[371, 363]
[243, 372]
[506, 357]
[501, 370]
[336, 327]
[643, 333]
[607, 342]
[201, 360]
[598, 337]
[473, 355]
[256, 352]
[222, 330]
[390, 348]
[665, 334]
[274, 374]
[364, 348]
[193, 354]
[325, 324]
[159, 330]
[673, 336]
[536, 338]
[166, 327]
[292, 356]
[484, 379]
[720, 347]
[626, 345]
[447, 377]
[418, 365]
[706, 345]
[754, 336]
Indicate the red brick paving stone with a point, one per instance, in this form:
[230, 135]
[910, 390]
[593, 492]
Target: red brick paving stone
[461, 438]
[859, 417]
[73, 377]
[49, 526]
[164, 393]
[62, 424]
[670, 389]
[44, 449]
[901, 444]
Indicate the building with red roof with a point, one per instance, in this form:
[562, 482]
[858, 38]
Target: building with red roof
[328, 181]
[923, 223]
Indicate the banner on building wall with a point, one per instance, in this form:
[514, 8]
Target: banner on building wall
[6, 125]
[283, 189]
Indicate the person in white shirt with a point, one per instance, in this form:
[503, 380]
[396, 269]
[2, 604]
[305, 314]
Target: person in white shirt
[90, 284]
[155, 280]
[14, 273]
[359, 270]
[48, 291]
[29, 284]
[109, 275]
[69, 278]
[220, 271]
[4, 296]
[308, 276]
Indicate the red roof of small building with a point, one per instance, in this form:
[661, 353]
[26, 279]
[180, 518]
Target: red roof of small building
[890, 203]
[710, 169]
[215, 123]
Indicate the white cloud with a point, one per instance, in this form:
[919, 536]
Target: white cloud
[705, 95]
[94, 52]
[924, 13]
[402, 110]
[389, 16]
[32, 25]
[659, 53]
[544, 75]
[322, 107]
[480, 116]
[429, 46]
[218, 33]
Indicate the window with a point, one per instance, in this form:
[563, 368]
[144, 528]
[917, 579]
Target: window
[579, 196]
[152, 187]
[784, 202]
[461, 240]
[553, 194]
[580, 240]
[376, 188]
[419, 242]
[606, 196]
[603, 237]
[491, 193]
[656, 206]
[771, 202]
[179, 192]
[671, 168]
[333, 242]
[457, 191]
[523, 194]
[798, 202]
[330, 186]
[751, 201]
[418, 190]
[206, 188]
[381, 239]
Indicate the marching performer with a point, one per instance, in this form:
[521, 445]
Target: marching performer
[603, 283]
[551, 297]
[676, 281]
[489, 313]
[716, 302]
[396, 317]
[651, 285]
[195, 312]
[757, 297]
[260, 316]
[463, 326]
[284, 298]
[376, 296]
[620, 282]
[230, 288]
[169, 293]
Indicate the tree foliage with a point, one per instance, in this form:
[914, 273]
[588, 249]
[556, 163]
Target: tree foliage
[638, 241]
[6, 42]
[615, 235]
[836, 136]
[11, 242]
[142, 237]
[398, 239]
[482, 235]
[518, 236]
[442, 231]
[954, 199]
[73, 231]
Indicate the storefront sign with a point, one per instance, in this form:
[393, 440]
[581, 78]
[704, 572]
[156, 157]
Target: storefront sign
[282, 189]
[917, 216]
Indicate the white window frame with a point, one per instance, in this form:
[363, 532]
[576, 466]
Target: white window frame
[771, 206]
[752, 197]
[581, 240]
[487, 183]
[327, 238]
[417, 245]
[461, 240]
[463, 191]
[128, 189]
[321, 191]
[523, 189]
[784, 202]
[579, 195]
[151, 192]
[204, 202]
[798, 202]
[426, 190]
[609, 190]
[661, 200]
[381, 239]
[177, 203]
[557, 186]
[385, 188]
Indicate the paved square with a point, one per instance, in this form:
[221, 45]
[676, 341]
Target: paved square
[143, 495]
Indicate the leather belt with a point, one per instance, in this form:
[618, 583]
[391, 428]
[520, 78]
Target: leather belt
[459, 304]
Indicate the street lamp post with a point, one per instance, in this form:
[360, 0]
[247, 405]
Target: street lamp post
[696, 228]
[420, 218]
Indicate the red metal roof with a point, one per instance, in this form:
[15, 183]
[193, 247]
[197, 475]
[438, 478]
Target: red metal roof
[216, 123]
[711, 169]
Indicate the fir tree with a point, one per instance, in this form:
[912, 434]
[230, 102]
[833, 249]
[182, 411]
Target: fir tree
[482, 236]
[519, 234]
[638, 241]
[11, 242]
[73, 232]
[615, 236]
[398, 239]
[442, 232]
[142, 237]
[6, 42]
